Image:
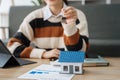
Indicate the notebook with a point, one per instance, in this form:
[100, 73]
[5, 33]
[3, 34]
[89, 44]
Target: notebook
[99, 61]
[9, 60]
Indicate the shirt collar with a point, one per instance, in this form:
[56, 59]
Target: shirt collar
[47, 12]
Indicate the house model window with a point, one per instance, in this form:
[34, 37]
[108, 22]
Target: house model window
[65, 68]
[77, 69]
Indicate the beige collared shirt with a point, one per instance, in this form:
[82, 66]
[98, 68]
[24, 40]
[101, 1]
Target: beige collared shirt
[48, 14]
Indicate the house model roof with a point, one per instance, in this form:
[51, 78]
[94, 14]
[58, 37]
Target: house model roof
[71, 56]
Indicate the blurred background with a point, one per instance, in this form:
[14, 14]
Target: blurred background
[6, 4]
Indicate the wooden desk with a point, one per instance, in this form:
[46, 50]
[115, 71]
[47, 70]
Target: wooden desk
[111, 72]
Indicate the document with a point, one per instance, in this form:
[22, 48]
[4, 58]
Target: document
[46, 72]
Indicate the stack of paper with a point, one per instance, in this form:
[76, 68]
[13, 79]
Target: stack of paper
[46, 72]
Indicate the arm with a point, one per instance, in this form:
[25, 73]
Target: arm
[19, 44]
[76, 33]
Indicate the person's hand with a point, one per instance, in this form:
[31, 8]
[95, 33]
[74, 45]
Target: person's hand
[70, 14]
[51, 54]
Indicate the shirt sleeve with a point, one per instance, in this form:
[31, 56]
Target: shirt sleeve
[19, 44]
[76, 34]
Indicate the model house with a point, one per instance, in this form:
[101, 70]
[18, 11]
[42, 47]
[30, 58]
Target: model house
[71, 62]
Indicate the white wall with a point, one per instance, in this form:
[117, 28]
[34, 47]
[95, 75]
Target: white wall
[23, 2]
[4, 11]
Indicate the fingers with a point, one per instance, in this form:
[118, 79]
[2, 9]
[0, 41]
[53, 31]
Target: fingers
[68, 8]
[69, 12]
[52, 53]
[55, 53]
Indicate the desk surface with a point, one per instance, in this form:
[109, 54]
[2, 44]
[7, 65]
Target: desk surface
[111, 72]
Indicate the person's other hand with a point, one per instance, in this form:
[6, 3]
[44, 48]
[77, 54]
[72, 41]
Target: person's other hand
[51, 54]
[70, 14]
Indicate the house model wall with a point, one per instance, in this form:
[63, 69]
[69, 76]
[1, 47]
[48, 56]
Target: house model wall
[72, 68]
[71, 62]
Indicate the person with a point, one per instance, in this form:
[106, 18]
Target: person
[53, 28]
